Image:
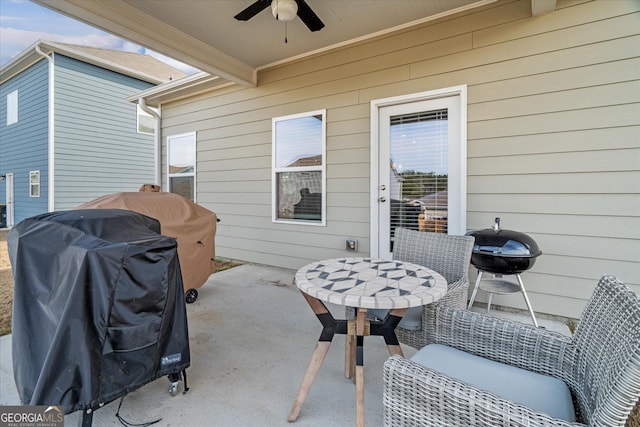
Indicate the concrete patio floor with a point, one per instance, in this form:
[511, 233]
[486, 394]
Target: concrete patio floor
[251, 338]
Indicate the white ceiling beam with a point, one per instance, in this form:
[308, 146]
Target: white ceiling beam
[124, 20]
[540, 7]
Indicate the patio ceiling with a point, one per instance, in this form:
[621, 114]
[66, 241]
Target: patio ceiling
[205, 34]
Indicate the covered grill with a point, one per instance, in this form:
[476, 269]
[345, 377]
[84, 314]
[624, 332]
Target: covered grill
[502, 252]
[98, 309]
[192, 225]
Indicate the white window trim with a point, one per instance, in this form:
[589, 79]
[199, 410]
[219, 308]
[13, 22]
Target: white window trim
[195, 150]
[457, 159]
[322, 169]
[12, 107]
[32, 185]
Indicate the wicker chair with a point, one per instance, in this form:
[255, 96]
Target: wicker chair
[600, 365]
[448, 255]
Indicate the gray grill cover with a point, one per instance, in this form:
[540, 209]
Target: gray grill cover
[98, 307]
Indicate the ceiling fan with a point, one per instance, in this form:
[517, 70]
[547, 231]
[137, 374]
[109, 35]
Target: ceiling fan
[284, 10]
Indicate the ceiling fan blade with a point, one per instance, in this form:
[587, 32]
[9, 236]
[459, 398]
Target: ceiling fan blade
[308, 16]
[253, 10]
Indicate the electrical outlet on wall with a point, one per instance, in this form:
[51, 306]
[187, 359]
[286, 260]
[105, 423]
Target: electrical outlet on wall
[352, 245]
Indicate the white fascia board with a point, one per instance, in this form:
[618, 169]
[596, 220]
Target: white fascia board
[24, 60]
[94, 60]
[181, 88]
[29, 57]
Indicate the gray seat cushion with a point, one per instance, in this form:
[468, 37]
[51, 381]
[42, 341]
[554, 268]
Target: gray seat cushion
[411, 321]
[535, 391]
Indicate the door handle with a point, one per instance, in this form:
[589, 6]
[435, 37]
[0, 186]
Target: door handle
[382, 199]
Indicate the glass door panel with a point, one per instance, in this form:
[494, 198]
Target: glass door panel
[414, 167]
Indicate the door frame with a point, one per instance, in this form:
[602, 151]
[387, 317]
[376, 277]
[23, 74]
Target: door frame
[10, 197]
[461, 168]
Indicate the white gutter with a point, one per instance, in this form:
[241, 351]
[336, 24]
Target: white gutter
[158, 140]
[182, 88]
[51, 147]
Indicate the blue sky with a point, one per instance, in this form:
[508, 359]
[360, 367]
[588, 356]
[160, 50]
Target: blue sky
[23, 23]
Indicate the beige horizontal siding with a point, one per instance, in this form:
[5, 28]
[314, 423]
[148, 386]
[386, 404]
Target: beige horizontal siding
[558, 142]
[622, 182]
[553, 139]
[617, 159]
[617, 227]
[566, 204]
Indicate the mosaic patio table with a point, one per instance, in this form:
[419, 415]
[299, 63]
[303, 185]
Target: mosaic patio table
[362, 283]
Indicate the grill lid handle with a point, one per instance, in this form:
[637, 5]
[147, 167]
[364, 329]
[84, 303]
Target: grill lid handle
[496, 224]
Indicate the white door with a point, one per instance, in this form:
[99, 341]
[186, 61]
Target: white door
[9, 199]
[421, 174]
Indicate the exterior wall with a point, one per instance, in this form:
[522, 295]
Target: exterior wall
[553, 139]
[24, 145]
[97, 148]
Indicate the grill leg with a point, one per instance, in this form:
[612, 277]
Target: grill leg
[526, 299]
[475, 290]
[87, 418]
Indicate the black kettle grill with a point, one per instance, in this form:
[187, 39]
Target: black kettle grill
[502, 252]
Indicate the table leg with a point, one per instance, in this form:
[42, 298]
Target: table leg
[329, 328]
[322, 348]
[386, 329]
[354, 350]
[389, 326]
[349, 354]
[360, 332]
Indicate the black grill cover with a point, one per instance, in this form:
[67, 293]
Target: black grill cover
[98, 307]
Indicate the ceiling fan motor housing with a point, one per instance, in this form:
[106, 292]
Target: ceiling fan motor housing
[284, 10]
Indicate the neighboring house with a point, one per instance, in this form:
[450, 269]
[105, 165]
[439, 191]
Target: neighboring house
[67, 132]
[542, 129]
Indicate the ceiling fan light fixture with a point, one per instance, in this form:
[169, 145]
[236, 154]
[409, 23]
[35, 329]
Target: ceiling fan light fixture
[284, 10]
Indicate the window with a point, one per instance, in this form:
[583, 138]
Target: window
[12, 107]
[298, 172]
[146, 122]
[34, 184]
[419, 157]
[181, 164]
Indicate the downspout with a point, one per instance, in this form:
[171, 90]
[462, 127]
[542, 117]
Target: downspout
[51, 144]
[158, 142]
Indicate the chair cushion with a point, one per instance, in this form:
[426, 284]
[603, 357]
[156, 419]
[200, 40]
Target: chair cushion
[411, 321]
[541, 393]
